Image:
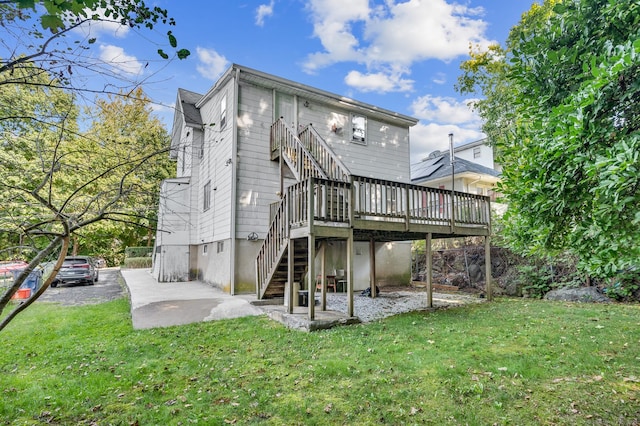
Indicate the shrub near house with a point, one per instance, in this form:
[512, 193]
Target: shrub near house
[138, 257]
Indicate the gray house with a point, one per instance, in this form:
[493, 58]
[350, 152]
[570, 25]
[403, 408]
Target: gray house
[282, 185]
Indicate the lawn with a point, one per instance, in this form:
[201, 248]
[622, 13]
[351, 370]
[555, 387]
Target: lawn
[512, 362]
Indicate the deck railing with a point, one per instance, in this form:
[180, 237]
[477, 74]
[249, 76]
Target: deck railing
[329, 201]
[379, 199]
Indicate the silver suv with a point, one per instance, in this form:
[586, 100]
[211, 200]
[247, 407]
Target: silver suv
[77, 270]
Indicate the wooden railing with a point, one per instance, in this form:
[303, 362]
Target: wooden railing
[293, 152]
[324, 155]
[273, 246]
[322, 200]
[379, 199]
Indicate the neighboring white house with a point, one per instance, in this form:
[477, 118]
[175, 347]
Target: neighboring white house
[474, 170]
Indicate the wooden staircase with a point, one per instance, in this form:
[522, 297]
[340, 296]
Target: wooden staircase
[280, 275]
[307, 155]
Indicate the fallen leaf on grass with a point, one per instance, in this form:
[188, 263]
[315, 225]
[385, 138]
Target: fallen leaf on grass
[328, 408]
[415, 411]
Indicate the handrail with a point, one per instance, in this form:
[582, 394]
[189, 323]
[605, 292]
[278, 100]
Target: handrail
[396, 201]
[323, 200]
[298, 158]
[324, 155]
[273, 245]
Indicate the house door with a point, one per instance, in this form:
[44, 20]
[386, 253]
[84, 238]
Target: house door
[285, 109]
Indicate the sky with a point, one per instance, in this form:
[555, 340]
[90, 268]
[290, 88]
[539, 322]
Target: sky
[401, 55]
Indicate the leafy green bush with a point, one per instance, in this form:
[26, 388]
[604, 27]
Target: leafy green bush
[138, 252]
[535, 280]
[137, 262]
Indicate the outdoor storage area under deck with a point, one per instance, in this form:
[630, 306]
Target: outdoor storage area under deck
[371, 210]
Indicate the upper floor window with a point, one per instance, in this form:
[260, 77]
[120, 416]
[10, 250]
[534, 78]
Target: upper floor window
[359, 129]
[477, 152]
[207, 196]
[223, 111]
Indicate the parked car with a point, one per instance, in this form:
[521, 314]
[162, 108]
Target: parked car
[77, 269]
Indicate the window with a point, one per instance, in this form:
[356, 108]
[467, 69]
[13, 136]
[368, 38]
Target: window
[205, 249]
[223, 111]
[359, 129]
[220, 246]
[207, 196]
[477, 152]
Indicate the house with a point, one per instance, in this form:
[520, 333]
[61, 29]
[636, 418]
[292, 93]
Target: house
[473, 171]
[272, 173]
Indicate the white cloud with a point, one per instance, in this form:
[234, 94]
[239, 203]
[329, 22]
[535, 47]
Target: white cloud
[444, 109]
[440, 78]
[119, 60]
[426, 138]
[103, 25]
[377, 82]
[212, 63]
[263, 11]
[392, 35]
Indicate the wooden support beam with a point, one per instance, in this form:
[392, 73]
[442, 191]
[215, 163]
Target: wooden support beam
[429, 262]
[372, 269]
[290, 274]
[350, 248]
[323, 277]
[311, 276]
[487, 268]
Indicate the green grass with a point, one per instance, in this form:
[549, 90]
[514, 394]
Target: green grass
[511, 362]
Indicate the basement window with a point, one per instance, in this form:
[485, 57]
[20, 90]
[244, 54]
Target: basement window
[220, 246]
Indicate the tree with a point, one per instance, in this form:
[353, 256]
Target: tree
[56, 182]
[53, 181]
[568, 133]
[126, 125]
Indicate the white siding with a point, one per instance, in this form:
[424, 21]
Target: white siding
[385, 155]
[258, 176]
[484, 157]
[216, 166]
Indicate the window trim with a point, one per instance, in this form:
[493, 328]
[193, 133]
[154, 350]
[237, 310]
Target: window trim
[354, 138]
[223, 111]
[206, 202]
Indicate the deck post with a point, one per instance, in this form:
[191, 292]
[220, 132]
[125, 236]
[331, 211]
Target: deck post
[311, 259]
[429, 263]
[372, 269]
[311, 276]
[350, 273]
[323, 278]
[487, 267]
[290, 264]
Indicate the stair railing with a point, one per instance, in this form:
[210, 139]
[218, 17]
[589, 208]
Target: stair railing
[333, 167]
[293, 152]
[273, 246]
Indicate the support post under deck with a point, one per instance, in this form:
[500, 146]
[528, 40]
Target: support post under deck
[372, 271]
[429, 262]
[487, 268]
[350, 273]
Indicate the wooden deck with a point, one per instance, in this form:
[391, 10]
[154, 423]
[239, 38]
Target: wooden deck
[328, 202]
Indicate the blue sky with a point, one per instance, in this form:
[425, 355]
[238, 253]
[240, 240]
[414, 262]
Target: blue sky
[399, 55]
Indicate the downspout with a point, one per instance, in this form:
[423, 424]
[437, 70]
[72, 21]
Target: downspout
[234, 183]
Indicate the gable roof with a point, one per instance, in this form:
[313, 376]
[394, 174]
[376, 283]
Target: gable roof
[305, 92]
[437, 165]
[187, 105]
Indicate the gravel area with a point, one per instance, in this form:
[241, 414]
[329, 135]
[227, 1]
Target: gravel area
[396, 302]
